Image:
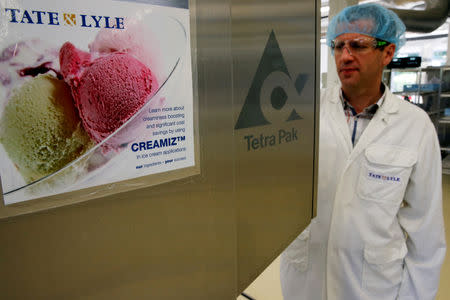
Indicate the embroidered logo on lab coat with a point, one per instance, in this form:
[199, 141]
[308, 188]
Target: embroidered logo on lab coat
[385, 178]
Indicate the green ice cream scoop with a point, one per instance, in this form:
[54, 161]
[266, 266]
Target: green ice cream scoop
[40, 128]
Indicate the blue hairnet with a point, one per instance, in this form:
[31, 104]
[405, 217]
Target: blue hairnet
[382, 24]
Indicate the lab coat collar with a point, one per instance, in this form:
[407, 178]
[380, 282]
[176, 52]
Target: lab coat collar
[376, 126]
[389, 106]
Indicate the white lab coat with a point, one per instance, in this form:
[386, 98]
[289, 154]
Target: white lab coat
[379, 230]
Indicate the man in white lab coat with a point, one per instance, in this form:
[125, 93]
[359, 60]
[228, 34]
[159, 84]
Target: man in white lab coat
[379, 230]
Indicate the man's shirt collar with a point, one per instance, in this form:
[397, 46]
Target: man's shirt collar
[368, 111]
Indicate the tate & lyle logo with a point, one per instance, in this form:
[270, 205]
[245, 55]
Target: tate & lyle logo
[270, 99]
[40, 17]
[384, 177]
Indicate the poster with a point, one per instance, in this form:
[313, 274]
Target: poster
[92, 93]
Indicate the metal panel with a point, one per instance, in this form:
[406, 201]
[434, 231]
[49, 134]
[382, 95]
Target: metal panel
[273, 46]
[172, 241]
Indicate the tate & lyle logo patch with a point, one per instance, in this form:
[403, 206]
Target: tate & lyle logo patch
[383, 177]
[271, 88]
[41, 17]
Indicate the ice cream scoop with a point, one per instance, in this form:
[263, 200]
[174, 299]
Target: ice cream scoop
[17, 57]
[135, 39]
[40, 128]
[108, 90]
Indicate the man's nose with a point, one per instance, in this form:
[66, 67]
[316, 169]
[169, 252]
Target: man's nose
[346, 53]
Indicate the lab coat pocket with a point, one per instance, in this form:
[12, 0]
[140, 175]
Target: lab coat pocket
[385, 173]
[297, 253]
[383, 269]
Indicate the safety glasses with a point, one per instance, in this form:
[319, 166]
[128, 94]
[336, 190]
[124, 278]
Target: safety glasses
[356, 46]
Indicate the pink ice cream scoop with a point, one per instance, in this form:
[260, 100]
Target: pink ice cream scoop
[107, 90]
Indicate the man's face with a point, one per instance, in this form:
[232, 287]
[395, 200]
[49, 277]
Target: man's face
[360, 68]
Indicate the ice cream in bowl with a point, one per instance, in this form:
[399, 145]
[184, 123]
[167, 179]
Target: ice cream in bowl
[61, 125]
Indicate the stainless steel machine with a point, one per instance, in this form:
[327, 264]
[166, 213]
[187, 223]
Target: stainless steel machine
[208, 231]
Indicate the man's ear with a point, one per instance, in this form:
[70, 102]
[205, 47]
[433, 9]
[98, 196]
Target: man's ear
[388, 54]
